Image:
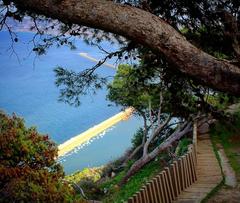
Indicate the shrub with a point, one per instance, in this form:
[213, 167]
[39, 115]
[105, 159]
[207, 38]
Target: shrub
[28, 167]
[93, 174]
[182, 147]
[91, 189]
[137, 138]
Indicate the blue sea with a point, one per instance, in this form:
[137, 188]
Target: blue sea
[27, 88]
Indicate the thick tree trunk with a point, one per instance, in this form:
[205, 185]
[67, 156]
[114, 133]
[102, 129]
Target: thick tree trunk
[144, 28]
[145, 132]
[133, 154]
[135, 168]
[187, 127]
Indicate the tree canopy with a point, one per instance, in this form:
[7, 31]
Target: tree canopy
[28, 167]
[165, 107]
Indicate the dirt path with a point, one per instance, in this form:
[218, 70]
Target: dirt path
[226, 195]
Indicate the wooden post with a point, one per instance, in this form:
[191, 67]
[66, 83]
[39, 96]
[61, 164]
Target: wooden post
[130, 200]
[174, 181]
[138, 197]
[164, 187]
[169, 180]
[181, 174]
[177, 170]
[169, 192]
[153, 191]
[161, 188]
[188, 170]
[184, 173]
[146, 198]
[135, 198]
[189, 164]
[190, 175]
[158, 190]
[194, 166]
[150, 194]
[187, 182]
[141, 196]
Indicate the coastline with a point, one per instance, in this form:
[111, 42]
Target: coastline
[92, 132]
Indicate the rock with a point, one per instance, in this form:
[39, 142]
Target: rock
[113, 174]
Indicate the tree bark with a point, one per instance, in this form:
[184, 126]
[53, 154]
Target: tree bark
[145, 132]
[146, 29]
[132, 155]
[154, 134]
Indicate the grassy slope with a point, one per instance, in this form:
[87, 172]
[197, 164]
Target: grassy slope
[114, 194]
[137, 181]
[133, 185]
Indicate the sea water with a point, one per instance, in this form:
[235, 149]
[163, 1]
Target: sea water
[27, 88]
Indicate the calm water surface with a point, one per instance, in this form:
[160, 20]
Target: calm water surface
[27, 88]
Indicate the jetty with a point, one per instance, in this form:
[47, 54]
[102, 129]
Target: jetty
[85, 55]
[93, 132]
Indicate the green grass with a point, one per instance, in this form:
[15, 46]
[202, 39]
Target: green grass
[117, 195]
[183, 146]
[229, 137]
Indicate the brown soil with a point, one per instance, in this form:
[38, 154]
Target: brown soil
[235, 139]
[226, 195]
[236, 151]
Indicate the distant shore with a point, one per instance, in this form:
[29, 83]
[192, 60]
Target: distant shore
[92, 132]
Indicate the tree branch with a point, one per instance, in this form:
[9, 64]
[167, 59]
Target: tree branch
[144, 28]
[160, 107]
[154, 134]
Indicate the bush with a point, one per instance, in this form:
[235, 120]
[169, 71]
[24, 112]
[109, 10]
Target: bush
[28, 167]
[91, 189]
[137, 138]
[182, 147]
[93, 174]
